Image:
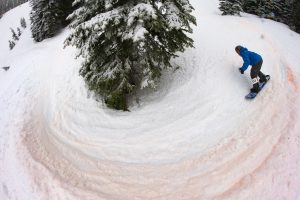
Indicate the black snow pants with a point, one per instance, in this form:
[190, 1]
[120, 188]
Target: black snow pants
[257, 76]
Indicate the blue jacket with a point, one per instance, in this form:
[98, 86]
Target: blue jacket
[249, 57]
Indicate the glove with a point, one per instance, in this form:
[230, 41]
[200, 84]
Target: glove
[242, 71]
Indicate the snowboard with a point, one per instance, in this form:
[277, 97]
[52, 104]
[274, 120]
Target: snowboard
[252, 95]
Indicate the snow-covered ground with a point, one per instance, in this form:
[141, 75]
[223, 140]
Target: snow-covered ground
[194, 138]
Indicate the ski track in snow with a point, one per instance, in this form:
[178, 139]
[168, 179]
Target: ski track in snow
[194, 138]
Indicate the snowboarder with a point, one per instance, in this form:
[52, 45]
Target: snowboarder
[256, 61]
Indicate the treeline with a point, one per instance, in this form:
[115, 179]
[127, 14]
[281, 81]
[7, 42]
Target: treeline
[6, 5]
[284, 11]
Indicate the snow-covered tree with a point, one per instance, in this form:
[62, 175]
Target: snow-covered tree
[126, 44]
[23, 23]
[14, 35]
[48, 17]
[231, 7]
[12, 44]
[19, 32]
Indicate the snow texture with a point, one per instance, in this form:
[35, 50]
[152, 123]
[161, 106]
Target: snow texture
[195, 137]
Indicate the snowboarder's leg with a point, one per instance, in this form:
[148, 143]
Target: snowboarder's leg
[255, 80]
[262, 77]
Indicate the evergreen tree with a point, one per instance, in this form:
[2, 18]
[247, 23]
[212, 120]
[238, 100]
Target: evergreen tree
[266, 9]
[14, 35]
[231, 7]
[126, 44]
[278, 10]
[12, 44]
[250, 6]
[48, 17]
[296, 15]
[6, 5]
[283, 12]
[23, 23]
[19, 32]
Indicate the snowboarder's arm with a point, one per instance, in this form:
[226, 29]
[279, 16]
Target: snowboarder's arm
[246, 62]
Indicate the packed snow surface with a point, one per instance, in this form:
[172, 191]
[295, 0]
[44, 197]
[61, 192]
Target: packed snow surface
[195, 137]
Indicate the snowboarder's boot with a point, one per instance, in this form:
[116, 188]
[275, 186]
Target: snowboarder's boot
[267, 77]
[264, 79]
[255, 88]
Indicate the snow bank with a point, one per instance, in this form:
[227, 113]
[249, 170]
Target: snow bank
[194, 138]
